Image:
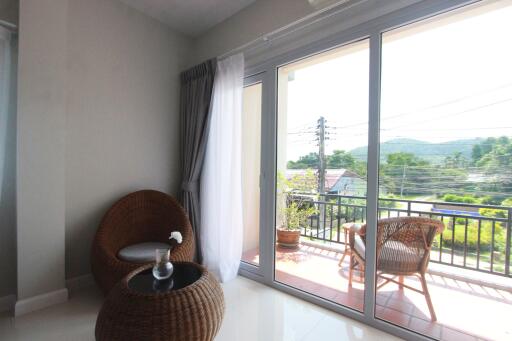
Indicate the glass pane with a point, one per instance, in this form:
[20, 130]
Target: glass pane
[445, 155]
[321, 171]
[251, 147]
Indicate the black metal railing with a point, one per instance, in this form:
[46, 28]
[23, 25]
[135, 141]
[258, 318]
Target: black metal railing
[476, 237]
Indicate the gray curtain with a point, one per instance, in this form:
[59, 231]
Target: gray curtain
[196, 95]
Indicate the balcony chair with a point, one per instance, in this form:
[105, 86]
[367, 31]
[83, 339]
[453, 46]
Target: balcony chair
[143, 219]
[403, 249]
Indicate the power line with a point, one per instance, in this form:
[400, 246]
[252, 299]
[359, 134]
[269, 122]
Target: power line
[451, 129]
[456, 113]
[301, 133]
[441, 104]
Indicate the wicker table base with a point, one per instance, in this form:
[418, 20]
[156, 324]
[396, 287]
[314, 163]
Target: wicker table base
[193, 313]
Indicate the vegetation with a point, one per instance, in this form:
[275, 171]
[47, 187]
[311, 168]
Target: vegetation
[337, 160]
[477, 172]
[472, 237]
[494, 157]
[297, 214]
[486, 200]
[297, 207]
[405, 174]
[434, 153]
[466, 199]
[507, 202]
[493, 213]
[493, 152]
[418, 168]
[309, 161]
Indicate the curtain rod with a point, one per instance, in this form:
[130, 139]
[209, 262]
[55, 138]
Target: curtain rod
[302, 23]
[9, 26]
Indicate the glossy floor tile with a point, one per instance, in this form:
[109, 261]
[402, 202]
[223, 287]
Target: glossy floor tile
[253, 312]
[465, 311]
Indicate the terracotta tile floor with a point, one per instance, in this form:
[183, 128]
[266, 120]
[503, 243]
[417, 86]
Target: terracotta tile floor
[465, 311]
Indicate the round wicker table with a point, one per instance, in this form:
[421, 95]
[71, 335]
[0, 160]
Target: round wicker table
[187, 307]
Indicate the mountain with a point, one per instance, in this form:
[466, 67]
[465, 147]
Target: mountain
[433, 152]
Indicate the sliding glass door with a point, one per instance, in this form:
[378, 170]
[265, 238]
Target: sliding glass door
[322, 133]
[383, 190]
[445, 155]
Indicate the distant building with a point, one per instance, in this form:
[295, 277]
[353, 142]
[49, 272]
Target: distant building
[337, 181]
[346, 183]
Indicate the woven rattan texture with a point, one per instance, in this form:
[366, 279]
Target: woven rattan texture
[403, 249]
[143, 216]
[193, 313]
[403, 243]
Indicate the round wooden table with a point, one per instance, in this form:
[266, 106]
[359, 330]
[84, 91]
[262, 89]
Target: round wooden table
[189, 306]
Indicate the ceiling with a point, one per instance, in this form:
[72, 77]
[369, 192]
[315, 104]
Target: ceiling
[9, 11]
[191, 17]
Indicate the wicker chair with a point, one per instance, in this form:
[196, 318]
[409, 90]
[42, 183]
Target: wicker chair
[143, 216]
[403, 249]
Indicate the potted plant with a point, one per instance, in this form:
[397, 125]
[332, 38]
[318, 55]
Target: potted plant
[295, 209]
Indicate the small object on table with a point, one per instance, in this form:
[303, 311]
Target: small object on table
[346, 229]
[188, 306]
[163, 268]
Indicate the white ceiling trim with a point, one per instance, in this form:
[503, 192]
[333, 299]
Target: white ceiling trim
[190, 17]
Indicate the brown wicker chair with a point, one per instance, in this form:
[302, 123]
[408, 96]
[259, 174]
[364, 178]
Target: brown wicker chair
[143, 216]
[403, 249]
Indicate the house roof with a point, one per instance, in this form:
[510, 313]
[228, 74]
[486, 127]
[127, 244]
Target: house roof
[331, 175]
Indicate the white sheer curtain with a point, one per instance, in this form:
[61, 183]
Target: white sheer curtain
[5, 76]
[221, 179]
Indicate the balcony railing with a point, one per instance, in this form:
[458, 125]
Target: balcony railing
[470, 240]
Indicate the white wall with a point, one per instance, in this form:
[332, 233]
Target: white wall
[41, 139]
[261, 17]
[97, 118]
[266, 16]
[122, 114]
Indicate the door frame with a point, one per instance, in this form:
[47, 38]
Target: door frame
[267, 71]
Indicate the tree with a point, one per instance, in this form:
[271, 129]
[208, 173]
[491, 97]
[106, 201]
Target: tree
[405, 159]
[498, 153]
[494, 157]
[457, 160]
[403, 171]
[307, 161]
[488, 151]
[476, 153]
[407, 174]
[340, 159]
[337, 160]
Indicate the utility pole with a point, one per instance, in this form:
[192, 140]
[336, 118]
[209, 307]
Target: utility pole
[321, 169]
[402, 185]
[321, 155]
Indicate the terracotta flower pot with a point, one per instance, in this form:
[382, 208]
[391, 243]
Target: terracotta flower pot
[288, 238]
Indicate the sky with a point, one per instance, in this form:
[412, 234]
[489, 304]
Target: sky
[450, 81]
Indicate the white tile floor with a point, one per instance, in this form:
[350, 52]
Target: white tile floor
[253, 312]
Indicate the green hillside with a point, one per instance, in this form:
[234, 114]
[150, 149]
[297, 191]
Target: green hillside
[433, 152]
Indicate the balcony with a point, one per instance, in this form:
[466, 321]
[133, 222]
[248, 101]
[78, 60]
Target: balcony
[469, 272]
[471, 240]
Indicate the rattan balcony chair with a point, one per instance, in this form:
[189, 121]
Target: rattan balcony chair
[403, 249]
[139, 217]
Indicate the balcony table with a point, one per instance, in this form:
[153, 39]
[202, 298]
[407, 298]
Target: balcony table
[346, 229]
